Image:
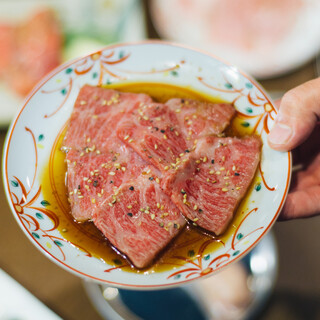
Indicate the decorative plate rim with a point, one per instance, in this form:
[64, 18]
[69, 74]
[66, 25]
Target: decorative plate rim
[79, 272]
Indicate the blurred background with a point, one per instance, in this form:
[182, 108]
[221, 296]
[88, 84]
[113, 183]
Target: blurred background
[277, 42]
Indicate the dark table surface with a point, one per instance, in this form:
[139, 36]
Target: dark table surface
[296, 294]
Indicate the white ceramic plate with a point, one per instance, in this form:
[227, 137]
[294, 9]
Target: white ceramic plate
[264, 38]
[34, 132]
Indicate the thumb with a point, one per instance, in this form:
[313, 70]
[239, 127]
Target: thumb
[298, 114]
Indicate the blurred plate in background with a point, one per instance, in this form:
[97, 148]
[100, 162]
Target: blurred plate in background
[238, 292]
[36, 36]
[265, 38]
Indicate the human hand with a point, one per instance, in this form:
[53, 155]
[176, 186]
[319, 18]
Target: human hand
[297, 128]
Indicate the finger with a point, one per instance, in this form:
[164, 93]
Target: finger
[297, 116]
[301, 204]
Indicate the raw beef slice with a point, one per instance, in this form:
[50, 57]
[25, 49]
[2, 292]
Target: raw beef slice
[139, 219]
[96, 159]
[152, 131]
[208, 187]
[199, 119]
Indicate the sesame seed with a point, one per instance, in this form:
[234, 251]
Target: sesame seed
[205, 159]
[157, 180]
[126, 137]
[158, 205]
[93, 200]
[224, 189]
[222, 168]
[111, 173]
[110, 204]
[211, 172]
[165, 137]
[195, 219]
[152, 216]
[178, 110]
[195, 207]
[166, 168]
[156, 146]
[129, 206]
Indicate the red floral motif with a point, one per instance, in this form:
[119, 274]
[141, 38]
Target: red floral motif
[199, 267]
[255, 98]
[21, 203]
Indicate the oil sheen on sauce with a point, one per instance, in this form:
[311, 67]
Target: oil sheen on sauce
[87, 237]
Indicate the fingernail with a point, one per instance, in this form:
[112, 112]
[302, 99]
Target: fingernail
[280, 134]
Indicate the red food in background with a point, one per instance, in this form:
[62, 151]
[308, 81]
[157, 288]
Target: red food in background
[30, 50]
